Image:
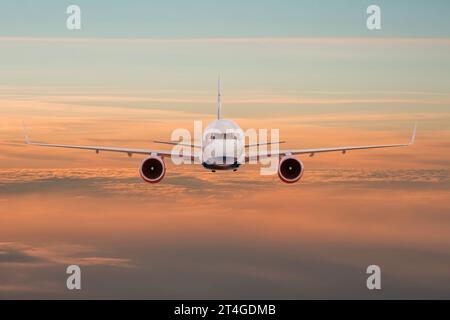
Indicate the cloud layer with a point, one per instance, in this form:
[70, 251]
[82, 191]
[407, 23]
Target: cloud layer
[199, 235]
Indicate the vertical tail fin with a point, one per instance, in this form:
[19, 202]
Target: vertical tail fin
[219, 100]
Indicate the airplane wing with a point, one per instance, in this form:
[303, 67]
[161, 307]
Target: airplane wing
[97, 149]
[311, 152]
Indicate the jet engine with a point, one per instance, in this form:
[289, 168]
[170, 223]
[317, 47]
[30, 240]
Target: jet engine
[152, 169]
[290, 169]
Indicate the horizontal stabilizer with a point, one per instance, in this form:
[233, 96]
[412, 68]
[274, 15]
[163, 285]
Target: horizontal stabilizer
[263, 144]
[176, 143]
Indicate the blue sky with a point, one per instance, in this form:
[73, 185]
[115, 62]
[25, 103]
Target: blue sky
[333, 55]
[232, 18]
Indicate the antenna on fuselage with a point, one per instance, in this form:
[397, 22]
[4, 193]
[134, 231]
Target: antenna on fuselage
[219, 100]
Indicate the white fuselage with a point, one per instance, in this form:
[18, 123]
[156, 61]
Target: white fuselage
[222, 145]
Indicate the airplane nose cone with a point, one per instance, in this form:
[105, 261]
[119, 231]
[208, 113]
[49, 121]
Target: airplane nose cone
[221, 152]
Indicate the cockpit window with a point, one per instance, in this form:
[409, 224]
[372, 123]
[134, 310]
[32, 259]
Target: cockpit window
[227, 136]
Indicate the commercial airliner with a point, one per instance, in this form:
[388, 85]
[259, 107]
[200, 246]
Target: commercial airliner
[215, 155]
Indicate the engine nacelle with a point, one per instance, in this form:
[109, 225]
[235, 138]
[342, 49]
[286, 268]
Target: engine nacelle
[152, 169]
[290, 169]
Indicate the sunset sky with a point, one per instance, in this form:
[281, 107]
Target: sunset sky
[138, 70]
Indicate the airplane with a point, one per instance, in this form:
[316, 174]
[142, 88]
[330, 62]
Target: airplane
[215, 136]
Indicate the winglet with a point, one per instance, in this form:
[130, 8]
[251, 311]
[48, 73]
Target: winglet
[413, 137]
[25, 132]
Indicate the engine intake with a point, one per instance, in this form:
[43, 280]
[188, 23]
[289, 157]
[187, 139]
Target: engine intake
[152, 169]
[290, 169]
